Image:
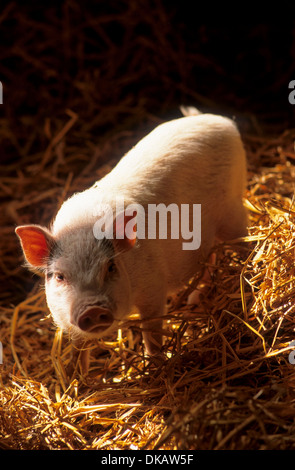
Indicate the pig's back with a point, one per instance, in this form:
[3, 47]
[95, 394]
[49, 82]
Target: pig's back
[183, 159]
[192, 160]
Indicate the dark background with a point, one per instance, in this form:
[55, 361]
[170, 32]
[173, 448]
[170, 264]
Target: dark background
[106, 60]
[120, 67]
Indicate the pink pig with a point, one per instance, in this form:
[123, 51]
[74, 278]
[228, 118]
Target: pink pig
[92, 283]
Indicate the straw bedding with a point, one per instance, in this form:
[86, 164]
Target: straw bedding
[228, 378]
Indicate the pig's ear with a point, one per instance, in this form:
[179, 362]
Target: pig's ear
[125, 231]
[36, 242]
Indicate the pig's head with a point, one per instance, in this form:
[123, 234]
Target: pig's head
[87, 286]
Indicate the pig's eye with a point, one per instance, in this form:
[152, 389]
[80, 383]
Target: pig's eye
[59, 277]
[111, 267]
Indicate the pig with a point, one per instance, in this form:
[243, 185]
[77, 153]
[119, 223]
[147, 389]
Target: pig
[93, 283]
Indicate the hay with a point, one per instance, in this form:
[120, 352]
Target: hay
[227, 382]
[228, 378]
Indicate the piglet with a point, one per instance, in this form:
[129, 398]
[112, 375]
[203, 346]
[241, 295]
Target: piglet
[97, 271]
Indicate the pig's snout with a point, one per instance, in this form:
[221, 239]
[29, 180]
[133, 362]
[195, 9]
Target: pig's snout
[95, 319]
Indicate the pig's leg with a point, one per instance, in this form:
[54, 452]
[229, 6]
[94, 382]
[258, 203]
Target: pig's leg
[194, 297]
[151, 312]
[152, 336]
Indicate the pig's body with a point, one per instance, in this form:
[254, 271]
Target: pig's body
[193, 160]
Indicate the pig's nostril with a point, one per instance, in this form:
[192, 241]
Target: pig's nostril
[103, 318]
[85, 323]
[95, 319]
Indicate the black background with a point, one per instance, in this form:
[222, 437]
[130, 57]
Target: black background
[229, 58]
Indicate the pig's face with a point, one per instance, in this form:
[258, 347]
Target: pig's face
[87, 288]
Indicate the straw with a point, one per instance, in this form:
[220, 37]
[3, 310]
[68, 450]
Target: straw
[227, 378]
